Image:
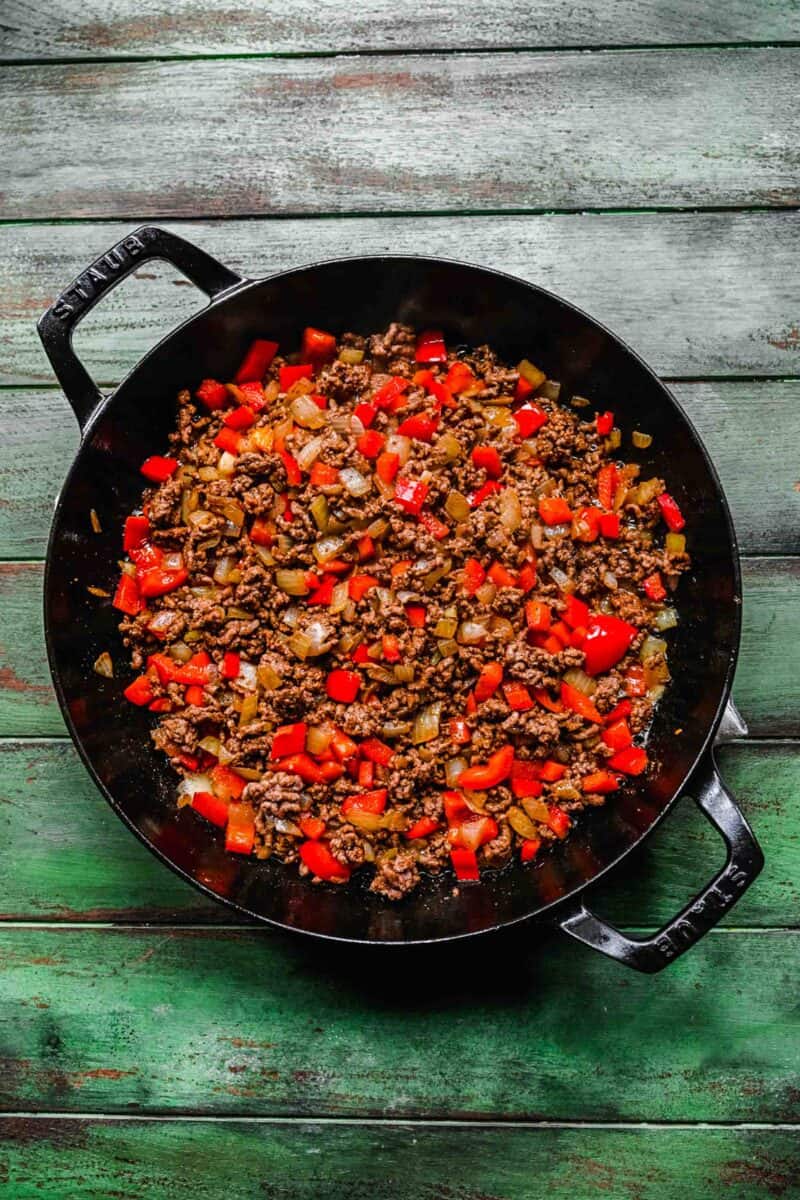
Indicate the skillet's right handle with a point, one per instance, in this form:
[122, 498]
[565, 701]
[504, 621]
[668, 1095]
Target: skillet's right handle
[58, 323]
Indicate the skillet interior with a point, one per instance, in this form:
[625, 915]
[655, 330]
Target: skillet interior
[472, 305]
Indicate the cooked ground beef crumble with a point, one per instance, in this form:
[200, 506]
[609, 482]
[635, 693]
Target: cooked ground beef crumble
[395, 604]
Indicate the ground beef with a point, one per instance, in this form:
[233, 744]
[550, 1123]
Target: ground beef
[329, 663]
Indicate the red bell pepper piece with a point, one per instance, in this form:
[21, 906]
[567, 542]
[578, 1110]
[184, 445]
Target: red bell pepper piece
[671, 513]
[227, 783]
[551, 771]
[289, 375]
[430, 347]
[212, 394]
[318, 346]
[231, 665]
[410, 494]
[137, 531]
[632, 760]
[239, 418]
[607, 479]
[377, 751]
[157, 468]
[501, 576]
[477, 498]
[422, 828]
[262, 532]
[558, 821]
[623, 709]
[359, 585]
[303, 766]
[523, 388]
[417, 615]
[420, 426]
[518, 698]
[460, 734]
[525, 778]
[488, 460]
[562, 631]
[487, 775]
[387, 466]
[324, 593]
[317, 856]
[323, 475]
[390, 648]
[605, 423]
[586, 524]
[455, 807]
[255, 362]
[489, 681]
[610, 525]
[140, 691]
[436, 528]
[537, 615]
[370, 443]
[459, 378]
[127, 597]
[229, 440]
[366, 414]
[369, 802]
[529, 849]
[473, 833]
[529, 419]
[474, 575]
[366, 547]
[361, 653]
[194, 696]
[251, 395]
[554, 510]
[576, 612]
[342, 685]
[465, 864]
[617, 735]
[146, 557]
[164, 667]
[158, 581]
[240, 832]
[312, 827]
[294, 476]
[635, 683]
[600, 782]
[654, 588]
[389, 395]
[162, 704]
[579, 703]
[607, 640]
[526, 579]
[543, 697]
[289, 739]
[343, 746]
[211, 807]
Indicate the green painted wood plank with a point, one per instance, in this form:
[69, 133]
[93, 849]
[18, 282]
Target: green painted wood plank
[49, 1158]
[185, 27]
[81, 864]
[769, 652]
[125, 1020]
[499, 131]
[698, 294]
[743, 424]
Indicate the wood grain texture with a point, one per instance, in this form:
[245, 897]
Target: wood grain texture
[769, 652]
[105, 28]
[532, 1026]
[741, 423]
[426, 133]
[81, 864]
[50, 1158]
[697, 294]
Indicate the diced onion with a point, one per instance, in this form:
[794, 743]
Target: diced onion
[554, 531]
[291, 581]
[227, 463]
[311, 451]
[161, 622]
[378, 528]
[610, 580]
[339, 597]
[641, 440]
[249, 709]
[472, 633]
[404, 673]
[318, 738]
[268, 678]
[531, 373]
[368, 822]
[536, 809]
[103, 665]
[675, 543]
[180, 652]
[651, 646]
[319, 511]
[325, 548]
[486, 593]
[194, 783]
[300, 644]
[210, 745]
[502, 629]
[644, 492]
[291, 616]
[563, 790]
[350, 355]
[307, 413]
[223, 569]
[449, 446]
[578, 679]
[447, 647]
[436, 574]
[452, 770]
[400, 445]
[265, 555]
[537, 536]
[248, 675]
[665, 618]
[559, 578]
[510, 509]
[426, 723]
[457, 506]
[287, 827]
[445, 627]
[614, 439]
[550, 389]
[394, 729]
[521, 823]
[319, 637]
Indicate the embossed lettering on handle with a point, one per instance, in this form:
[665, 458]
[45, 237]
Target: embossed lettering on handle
[91, 283]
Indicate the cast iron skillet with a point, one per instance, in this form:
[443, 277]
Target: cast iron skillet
[473, 305]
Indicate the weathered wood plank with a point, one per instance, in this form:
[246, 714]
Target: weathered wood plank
[134, 28]
[256, 136]
[742, 424]
[130, 1020]
[52, 1157]
[81, 864]
[769, 652]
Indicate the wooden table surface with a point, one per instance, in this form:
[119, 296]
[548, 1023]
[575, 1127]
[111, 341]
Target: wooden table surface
[639, 158]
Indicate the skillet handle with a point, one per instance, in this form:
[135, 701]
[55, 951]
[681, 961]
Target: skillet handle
[58, 323]
[744, 863]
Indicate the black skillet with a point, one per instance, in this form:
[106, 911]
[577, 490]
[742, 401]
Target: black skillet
[473, 305]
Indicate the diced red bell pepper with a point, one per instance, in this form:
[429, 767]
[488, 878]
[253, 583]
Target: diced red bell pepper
[501, 576]
[294, 476]
[361, 653]
[343, 686]
[465, 864]
[158, 581]
[227, 783]
[387, 466]
[543, 697]
[487, 775]
[489, 681]
[586, 524]
[623, 709]
[605, 423]
[240, 832]
[654, 587]
[422, 828]
[324, 593]
[459, 378]
[146, 557]
[562, 631]
[529, 419]
[554, 510]
[607, 479]
[537, 615]
[312, 827]
[607, 640]
[525, 778]
[420, 426]
[194, 696]
[632, 760]
[430, 347]
[529, 849]
[389, 395]
[673, 517]
[488, 460]
[635, 683]
[229, 440]
[323, 475]
[370, 802]
[558, 821]
[231, 665]
[610, 525]
[157, 468]
[474, 576]
[436, 528]
[359, 585]
[127, 597]
[390, 648]
[417, 615]
[162, 704]
[526, 579]
[523, 388]
[473, 833]
[239, 418]
[137, 531]
[410, 494]
[455, 807]
[477, 498]
[262, 532]
[255, 362]
[251, 395]
[370, 443]
[617, 735]
[551, 771]
[303, 766]
[164, 667]
[317, 856]
[600, 782]
[579, 703]
[365, 413]
[211, 807]
[317, 346]
[212, 394]
[289, 375]
[377, 751]
[576, 612]
[518, 698]
[460, 734]
[139, 692]
[578, 637]
[289, 739]
[366, 547]
[343, 746]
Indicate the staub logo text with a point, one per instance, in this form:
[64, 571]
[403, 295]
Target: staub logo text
[96, 278]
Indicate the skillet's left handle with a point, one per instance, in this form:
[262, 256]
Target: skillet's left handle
[743, 865]
[100, 277]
